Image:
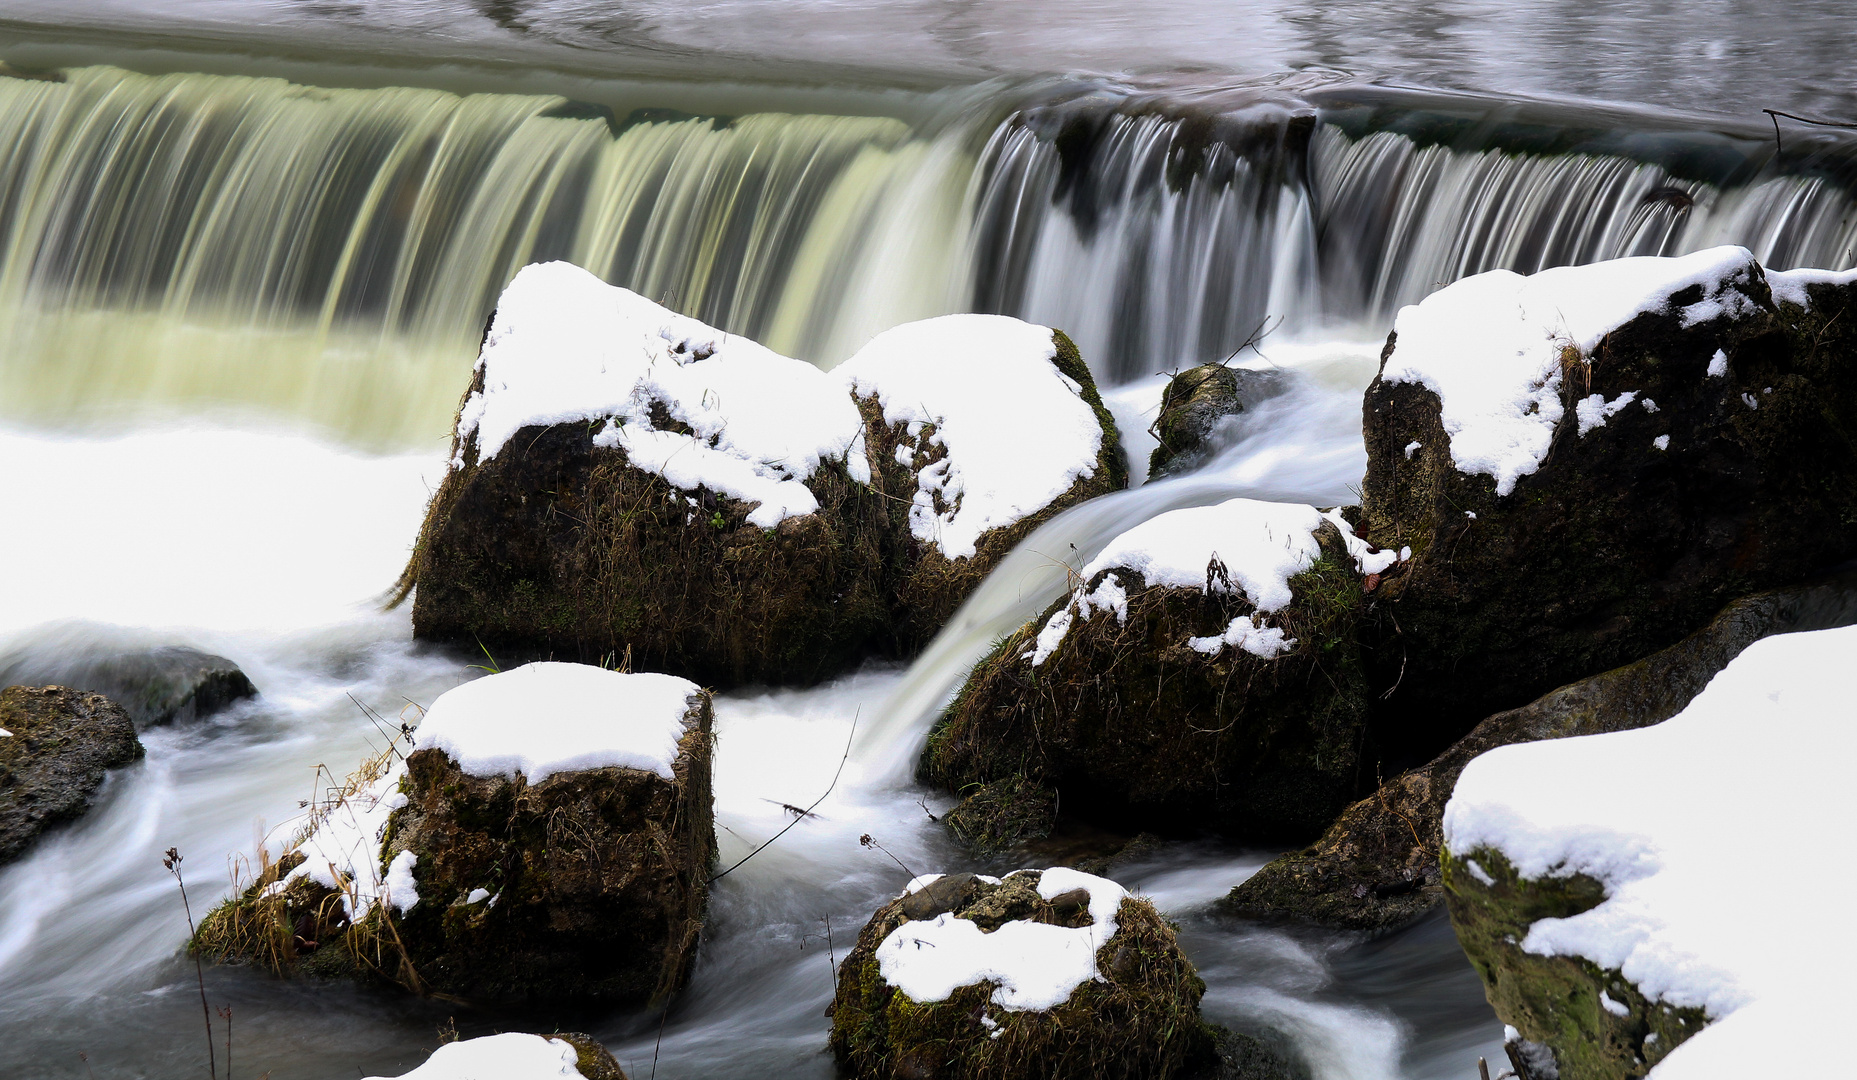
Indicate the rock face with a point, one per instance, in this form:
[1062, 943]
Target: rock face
[1589, 462]
[627, 480]
[1377, 866]
[1192, 406]
[985, 428]
[59, 745]
[549, 837]
[1043, 974]
[156, 686]
[1205, 673]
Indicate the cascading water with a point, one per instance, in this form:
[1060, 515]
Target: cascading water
[181, 243]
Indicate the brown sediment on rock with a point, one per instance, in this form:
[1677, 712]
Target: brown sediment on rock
[1141, 1019]
[1377, 866]
[928, 586]
[1559, 1002]
[589, 885]
[63, 743]
[1126, 718]
[1613, 548]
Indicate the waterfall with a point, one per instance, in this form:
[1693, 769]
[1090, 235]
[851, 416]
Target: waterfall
[199, 241]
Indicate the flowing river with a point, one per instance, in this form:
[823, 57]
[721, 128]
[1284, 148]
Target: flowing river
[240, 289]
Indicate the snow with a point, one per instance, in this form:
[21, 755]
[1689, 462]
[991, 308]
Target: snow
[477, 896]
[1036, 966]
[1490, 345]
[1665, 818]
[566, 347]
[5, 734]
[509, 1056]
[1011, 448]
[343, 851]
[1260, 544]
[1718, 364]
[551, 717]
[1411, 448]
[1789, 285]
[1661, 442]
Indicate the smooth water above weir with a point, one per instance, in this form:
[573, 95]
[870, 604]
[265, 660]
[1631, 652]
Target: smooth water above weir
[188, 242]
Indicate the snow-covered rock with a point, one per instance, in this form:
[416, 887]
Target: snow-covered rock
[548, 835]
[1574, 462]
[627, 479]
[516, 1056]
[1031, 975]
[1204, 668]
[1602, 885]
[982, 427]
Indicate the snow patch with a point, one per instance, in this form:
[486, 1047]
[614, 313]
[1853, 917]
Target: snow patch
[1412, 447]
[1759, 761]
[1035, 965]
[1718, 364]
[343, 852]
[550, 717]
[1266, 642]
[1595, 410]
[1010, 449]
[1661, 442]
[566, 347]
[509, 1056]
[1490, 346]
[1789, 286]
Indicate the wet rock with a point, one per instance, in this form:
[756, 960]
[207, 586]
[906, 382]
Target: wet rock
[1001, 815]
[1131, 1011]
[1192, 407]
[160, 685]
[58, 746]
[1247, 1057]
[985, 428]
[1205, 673]
[1689, 440]
[1376, 867]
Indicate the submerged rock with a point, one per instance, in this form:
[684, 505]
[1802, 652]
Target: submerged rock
[517, 1056]
[1377, 866]
[56, 746]
[1048, 973]
[1205, 672]
[161, 685]
[626, 480]
[1192, 407]
[549, 837]
[1587, 463]
[984, 428]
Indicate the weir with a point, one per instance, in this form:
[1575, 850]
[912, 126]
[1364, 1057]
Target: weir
[186, 239]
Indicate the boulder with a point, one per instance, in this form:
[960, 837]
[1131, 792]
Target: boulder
[549, 837]
[628, 480]
[517, 1056]
[984, 427]
[1205, 672]
[1194, 407]
[1619, 892]
[56, 746]
[1051, 973]
[1589, 462]
[1376, 867]
[159, 685]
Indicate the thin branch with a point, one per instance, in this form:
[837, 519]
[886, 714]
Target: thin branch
[815, 803]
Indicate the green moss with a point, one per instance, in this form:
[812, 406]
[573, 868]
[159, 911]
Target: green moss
[1003, 814]
[1556, 1000]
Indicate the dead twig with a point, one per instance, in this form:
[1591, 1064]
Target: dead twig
[172, 861]
[804, 814]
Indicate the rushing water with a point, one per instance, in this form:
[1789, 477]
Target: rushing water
[239, 310]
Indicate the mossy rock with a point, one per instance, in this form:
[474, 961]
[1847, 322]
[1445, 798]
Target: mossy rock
[1376, 867]
[559, 548]
[63, 743]
[1140, 1019]
[1560, 1002]
[1613, 547]
[1194, 403]
[928, 585]
[594, 884]
[591, 885]
[1126, 720]
[1001, 815]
